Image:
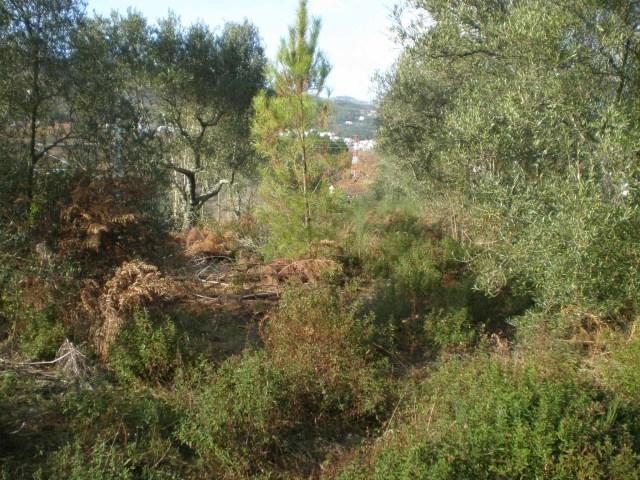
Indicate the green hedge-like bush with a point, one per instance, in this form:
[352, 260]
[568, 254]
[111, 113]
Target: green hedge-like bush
[232, 418]
[497, 418]
[146, 349]
[42, 334]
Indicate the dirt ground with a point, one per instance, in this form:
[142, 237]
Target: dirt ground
[356, 185]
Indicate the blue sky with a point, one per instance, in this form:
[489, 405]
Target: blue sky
[355, 34]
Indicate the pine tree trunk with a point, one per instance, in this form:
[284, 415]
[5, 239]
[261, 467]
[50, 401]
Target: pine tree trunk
[305, 173]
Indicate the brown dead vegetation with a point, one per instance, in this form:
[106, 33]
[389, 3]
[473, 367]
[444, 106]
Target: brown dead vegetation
[104, 216]
[586, 329]
[326, 248]
[251, 277]
[134, 285]
[199, 241]
[309, 271]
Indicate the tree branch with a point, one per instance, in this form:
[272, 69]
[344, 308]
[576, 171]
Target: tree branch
[200, 199]
[52, 145]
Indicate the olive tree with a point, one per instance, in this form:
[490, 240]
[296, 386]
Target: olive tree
[524, 115]
[36, 44]
[204, 83]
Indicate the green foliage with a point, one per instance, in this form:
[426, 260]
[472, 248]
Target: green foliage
[146, 349]
[317, 381]
[572, 247]
[424, 290]
[42, 335]
[103, 460]
[301, 67]
[35, 40]
[524, 146]
[450, 330]
[481, 325]
[231, 419]
[30, 319]
[8, 384]
[106, 432]
[117, 433]
[204, 84]
[326, 345]
[494, 418]
[619, 371]
[286, 117]
[283, 211]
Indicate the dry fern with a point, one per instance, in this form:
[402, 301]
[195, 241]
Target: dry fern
[203, 242]
[134, 285]
[104, 216]
[309, 271]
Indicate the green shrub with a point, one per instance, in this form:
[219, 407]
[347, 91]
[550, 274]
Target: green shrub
[146, 349]
[619, 370]
[424, 292]
[497, 418]
[105, 460]
[318, 380]
[327, 347]
[116, 433]
[232, 418]
[450, 330]
[42, 334]
[102, 460]
[8, 385]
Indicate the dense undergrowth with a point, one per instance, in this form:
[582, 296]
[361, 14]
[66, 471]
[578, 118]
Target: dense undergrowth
[473, 315]
[393, 367]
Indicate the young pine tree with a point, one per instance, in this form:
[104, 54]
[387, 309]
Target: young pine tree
[285, 115]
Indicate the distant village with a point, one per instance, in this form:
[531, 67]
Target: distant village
[354, 143]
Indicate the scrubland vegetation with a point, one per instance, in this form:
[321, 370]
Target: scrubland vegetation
[473, 315]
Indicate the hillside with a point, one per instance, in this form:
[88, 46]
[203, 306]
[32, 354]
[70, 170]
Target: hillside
[362, 118]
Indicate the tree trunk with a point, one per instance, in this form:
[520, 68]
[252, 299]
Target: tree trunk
[33, 156]
[192, 215]
[305, 173]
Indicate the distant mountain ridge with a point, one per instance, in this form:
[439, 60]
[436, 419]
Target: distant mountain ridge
[353, 100]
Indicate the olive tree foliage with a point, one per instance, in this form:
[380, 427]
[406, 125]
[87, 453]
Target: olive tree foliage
[204, 83]
[286, 115]
[72, 99]
[35, 44]
[110, 66]
[526, 112]
[77, 140]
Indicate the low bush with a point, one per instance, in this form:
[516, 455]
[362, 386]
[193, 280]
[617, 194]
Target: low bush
[233, 418]
[117, 433]
[450, 330]
[42, 335]
[490, 417]
[146, 349]
[323, 341]
[619, 370]
[317, 381]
